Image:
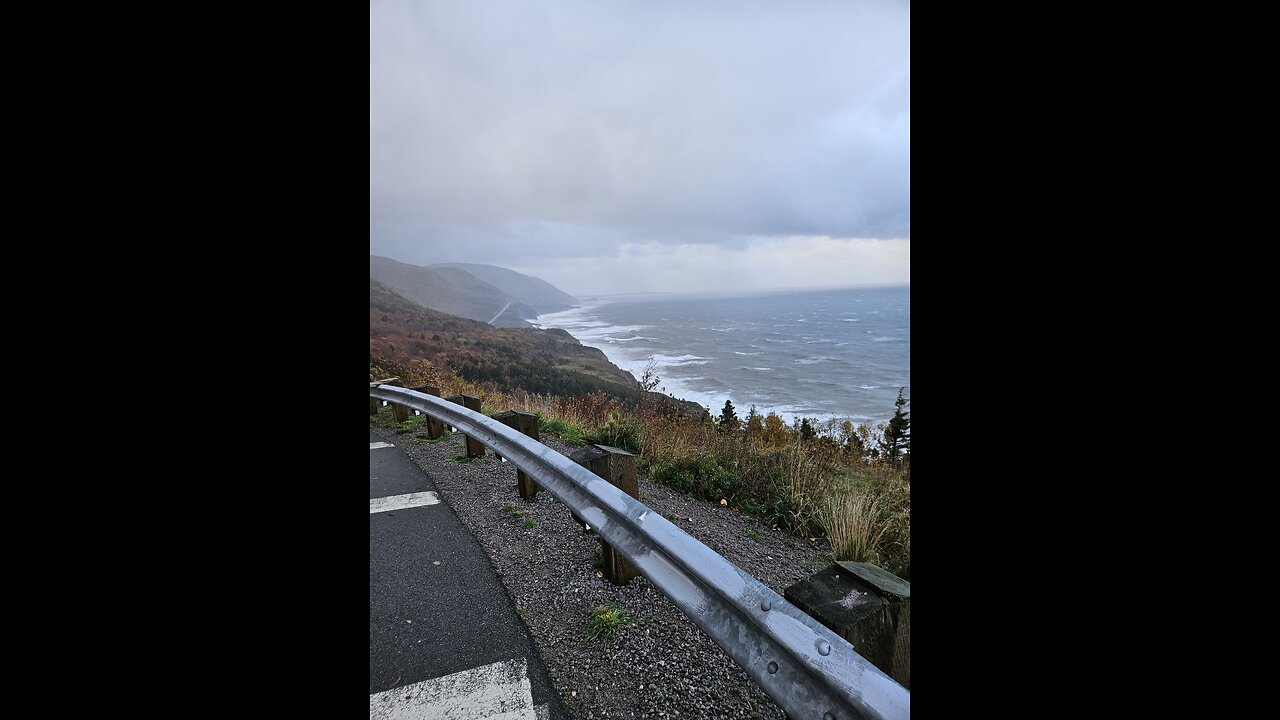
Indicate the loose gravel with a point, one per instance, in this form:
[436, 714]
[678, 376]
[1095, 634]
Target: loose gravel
[660, 666]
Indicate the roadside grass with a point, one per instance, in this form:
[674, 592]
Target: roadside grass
[605, 621]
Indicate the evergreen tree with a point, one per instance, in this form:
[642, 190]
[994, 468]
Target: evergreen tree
[897, 435]
[806, 431]
[755, 424]
[728, 417]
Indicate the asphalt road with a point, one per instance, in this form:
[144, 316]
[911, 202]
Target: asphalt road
[436, 606]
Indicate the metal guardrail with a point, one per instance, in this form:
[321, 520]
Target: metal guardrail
[809, 670]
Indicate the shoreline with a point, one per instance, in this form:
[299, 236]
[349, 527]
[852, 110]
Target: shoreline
[713, 403]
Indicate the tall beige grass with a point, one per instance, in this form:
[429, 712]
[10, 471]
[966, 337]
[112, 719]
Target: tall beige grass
[853, 526]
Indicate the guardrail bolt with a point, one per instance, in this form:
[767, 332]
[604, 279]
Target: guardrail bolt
[526, 423]
[619, 468]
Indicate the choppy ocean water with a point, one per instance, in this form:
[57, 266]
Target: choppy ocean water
[824, 354]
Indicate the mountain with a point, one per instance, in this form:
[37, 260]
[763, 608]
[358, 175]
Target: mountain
[450, 290]
[537, 293]
[404, 335]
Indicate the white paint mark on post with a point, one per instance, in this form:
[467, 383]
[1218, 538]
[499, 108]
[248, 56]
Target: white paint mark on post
[403, 502]
[375, 446]
[499, 691]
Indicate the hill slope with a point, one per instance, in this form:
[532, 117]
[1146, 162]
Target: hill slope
[449, 290]
[537, 293]
[403, 333]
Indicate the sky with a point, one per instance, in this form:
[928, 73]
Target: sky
[660, 146]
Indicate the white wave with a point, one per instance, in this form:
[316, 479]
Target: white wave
[849, 320]
[679, 360]
[812, 360]
[738, 352]
[883, 339]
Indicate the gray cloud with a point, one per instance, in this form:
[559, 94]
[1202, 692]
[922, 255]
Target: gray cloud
[518, 131]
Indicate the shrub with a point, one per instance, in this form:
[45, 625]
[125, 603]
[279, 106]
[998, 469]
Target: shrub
[618, 432]
[701, 477]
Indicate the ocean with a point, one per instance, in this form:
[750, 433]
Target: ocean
[821, 354]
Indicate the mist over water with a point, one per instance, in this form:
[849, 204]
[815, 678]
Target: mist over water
[824, 354]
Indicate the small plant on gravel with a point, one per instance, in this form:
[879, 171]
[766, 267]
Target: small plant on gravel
[528, 522]
[605, 620]
[751, 534]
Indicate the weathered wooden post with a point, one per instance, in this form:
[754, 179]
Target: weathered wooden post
[619, 468]
[526, 423]
[435, 428]
[400, 412]
[475, 448]
[866, 605]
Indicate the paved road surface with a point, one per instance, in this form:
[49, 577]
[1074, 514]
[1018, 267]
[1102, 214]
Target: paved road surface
[444, 637]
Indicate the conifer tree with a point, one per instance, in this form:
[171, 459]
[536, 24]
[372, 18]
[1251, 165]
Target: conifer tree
[897, 435]
[806, 431]
[755, 424]
[728, 417]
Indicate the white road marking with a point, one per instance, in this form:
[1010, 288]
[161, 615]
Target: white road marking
[403, 502]
[543, 712]
[499, 691]
[375, 446]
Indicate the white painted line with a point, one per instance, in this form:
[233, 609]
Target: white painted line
[542, 711]
[375, 446]
[499, 691]
[403, 502]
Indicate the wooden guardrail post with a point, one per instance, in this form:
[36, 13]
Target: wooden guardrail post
[619, 468]
[475, 449]
[866, 605]
[435, 428]
[526, 423]
[400, 412]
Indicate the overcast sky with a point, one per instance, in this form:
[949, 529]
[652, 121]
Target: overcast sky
[612, 147]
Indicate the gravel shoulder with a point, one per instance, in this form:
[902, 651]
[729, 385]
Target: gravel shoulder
[662, 665]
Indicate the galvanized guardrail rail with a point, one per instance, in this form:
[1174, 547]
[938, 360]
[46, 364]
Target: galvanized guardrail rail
[809, 670]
